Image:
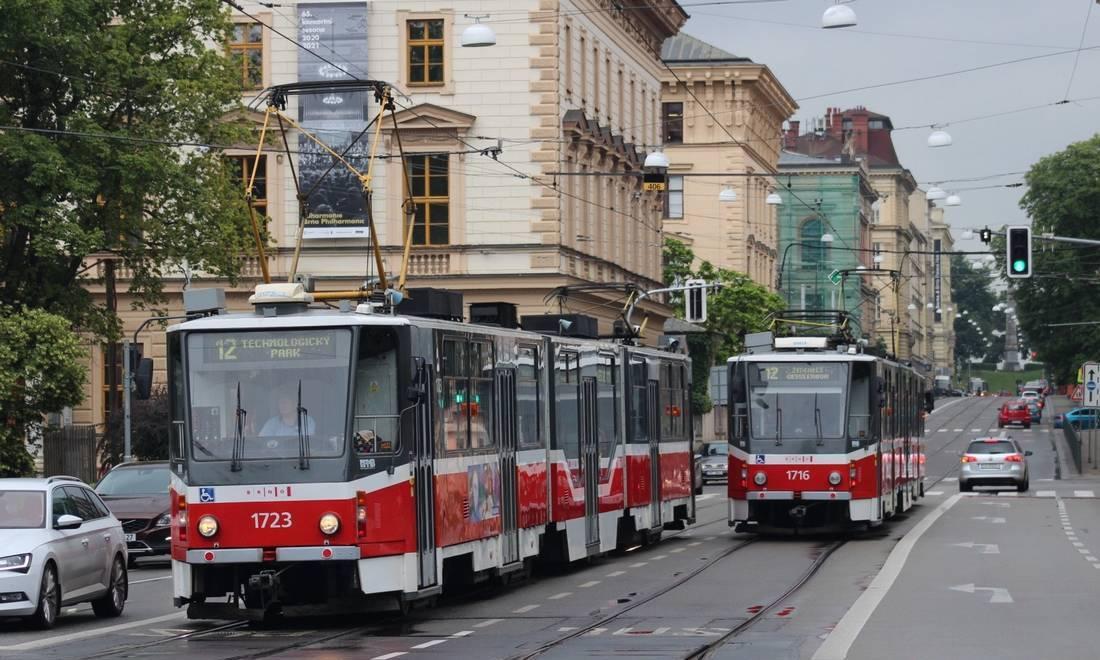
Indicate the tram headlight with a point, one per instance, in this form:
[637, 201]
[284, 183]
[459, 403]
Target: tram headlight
[329, 524]
[834, 478]
[208, 526]
[760, 478]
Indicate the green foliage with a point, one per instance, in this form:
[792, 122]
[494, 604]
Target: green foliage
[150, 430]
[740, 307]
[971, 292]
[1062, 198]
[40, 372]
[140, 70]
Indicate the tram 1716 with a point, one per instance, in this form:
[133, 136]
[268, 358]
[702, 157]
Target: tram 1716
[342, 459]
[822, 436]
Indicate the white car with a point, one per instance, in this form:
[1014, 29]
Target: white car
[59, 545]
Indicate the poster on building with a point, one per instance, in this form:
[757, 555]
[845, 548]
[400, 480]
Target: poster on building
[338, 34]
[937, 270]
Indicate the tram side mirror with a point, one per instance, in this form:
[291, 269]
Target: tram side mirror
[418, 390]
[929, 401]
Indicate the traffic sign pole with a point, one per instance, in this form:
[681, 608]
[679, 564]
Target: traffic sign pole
[1090, 393]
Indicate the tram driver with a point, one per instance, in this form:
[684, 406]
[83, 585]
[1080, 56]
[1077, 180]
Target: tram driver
[285, 423]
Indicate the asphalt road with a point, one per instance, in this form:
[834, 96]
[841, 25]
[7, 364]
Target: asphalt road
[708, 585]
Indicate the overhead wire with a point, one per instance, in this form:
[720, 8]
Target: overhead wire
[1077, 56]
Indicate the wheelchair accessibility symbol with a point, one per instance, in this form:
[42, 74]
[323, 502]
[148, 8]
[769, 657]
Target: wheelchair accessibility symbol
[759, 461]
[206, 494]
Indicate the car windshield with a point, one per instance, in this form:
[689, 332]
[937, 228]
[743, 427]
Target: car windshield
[135, 481]
[22, 509]
[716, 449]
[997, 447]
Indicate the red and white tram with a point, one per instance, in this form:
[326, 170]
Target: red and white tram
[328, 459]
[822, 436]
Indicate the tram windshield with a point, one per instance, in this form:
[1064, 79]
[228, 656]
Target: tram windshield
[273, 394]
[798, 407]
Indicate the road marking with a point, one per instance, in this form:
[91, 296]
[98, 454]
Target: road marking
[705, 496]
[623, 631]
[1044, 493]
[166, 577]
[941, 430]
[63, 639]
[958, 430]
[677, 550]
[950, 478]
[993, 430]
[1046, 480]
[695, 543]
[1078, 544]
[395, 654]
[1083, 551]
[567, 628]
[487, 622]
[660, 631]
[997, 594]
[659, 557]
[428, 645]
[595, 632]
[590, 583]
[1084, 493]
[564, 594]
[616, 573]
[639, 564]
[1091, 558]
[934, 492]
[462, 633]
[840, 639]
[1008, 493]
[975, 430]
[993, 519]
[1046, 430]
[524, 609]
[987, 548]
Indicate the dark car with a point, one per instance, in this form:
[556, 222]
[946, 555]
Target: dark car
[1014, 412]
[137, 493]
[711, 464]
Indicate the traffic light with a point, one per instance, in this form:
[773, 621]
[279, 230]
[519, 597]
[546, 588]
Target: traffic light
[986, 235]
[695, 305]
[1018, 251]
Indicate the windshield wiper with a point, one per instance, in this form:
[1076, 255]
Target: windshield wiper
[201, 447]
[303, 438]
[778, 423]
[238, 434]
[817, 422]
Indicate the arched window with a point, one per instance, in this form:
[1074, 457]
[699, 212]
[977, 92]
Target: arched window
[813, 250]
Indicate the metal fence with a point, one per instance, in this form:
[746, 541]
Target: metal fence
[70, 450]
[1074, 442]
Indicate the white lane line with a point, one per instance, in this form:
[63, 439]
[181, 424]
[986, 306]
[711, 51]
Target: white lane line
[677, 550]
[428, 645]
[567, 628]
[1091, 558]
[695, 543]
[1046, 480]
[395, 654]
[659, 557]
[840, 640]
[941, 430]
[1044, 493]
[1084, 493]
[934, 492]
[590, 583]
[1046, 431]
[463, 633]
[958, 430]
[950, 478]
[1083, 551]
[63, 639]
[595, 632]
[524, 609]
[710, 538]
[992, 430]
[944, 406]
[1078, 544]
[705, 496]
[166, 577]
[639, 564]
[487, 622]
[1008, 493]
[975, 430]
[564, 594]
[616, 573]
[660, 631]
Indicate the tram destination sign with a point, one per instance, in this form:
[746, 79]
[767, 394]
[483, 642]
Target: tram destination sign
[226, 347]
[793, 373]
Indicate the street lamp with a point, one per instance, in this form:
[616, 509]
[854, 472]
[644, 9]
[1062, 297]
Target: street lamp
[838, 16]
[478, 34]
[773, 199]
[953, 200]
[935, 192]
[939, 138]
[728, 194]
[656, 159]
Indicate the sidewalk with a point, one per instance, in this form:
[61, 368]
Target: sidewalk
[1090, 443]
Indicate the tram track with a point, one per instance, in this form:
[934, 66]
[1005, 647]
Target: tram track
[981, 410]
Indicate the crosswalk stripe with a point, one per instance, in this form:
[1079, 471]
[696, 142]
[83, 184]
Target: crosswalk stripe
[1044, 493]
[1008, 493]
[1083, 493]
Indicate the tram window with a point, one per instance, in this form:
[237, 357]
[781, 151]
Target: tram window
[528, 419]
[455, 395]
[480, 408]
[607, 421]
[859, 406]
[376, 424]
[639, 405]
[666, 402]
[566, 391]
[176, 395]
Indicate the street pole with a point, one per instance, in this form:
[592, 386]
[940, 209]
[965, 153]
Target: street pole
[127, 384]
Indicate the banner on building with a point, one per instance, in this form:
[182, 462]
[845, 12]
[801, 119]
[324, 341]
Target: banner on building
[937, 257]
[338, 33]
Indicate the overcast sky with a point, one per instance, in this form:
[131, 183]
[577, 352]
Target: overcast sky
[925, 38]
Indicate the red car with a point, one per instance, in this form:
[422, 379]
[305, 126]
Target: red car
[1014, 412]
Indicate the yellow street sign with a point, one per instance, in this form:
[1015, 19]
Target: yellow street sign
[658, 186]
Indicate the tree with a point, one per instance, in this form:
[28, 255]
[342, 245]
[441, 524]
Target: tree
[100, 93]
[40, 372]
[739, 307]
[1062, 198]
[970, 289]
[151, 430]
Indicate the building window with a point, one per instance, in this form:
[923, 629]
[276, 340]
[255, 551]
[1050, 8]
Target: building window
[596, 80]
[568, 49]
[428, 178]
[584, 72]
[672, 122]
[425, 47]
[875, 124]
[674, 198]
[242, 172]
[246, 51]
[107, 380]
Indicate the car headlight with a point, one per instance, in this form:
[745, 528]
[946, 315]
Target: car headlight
[208, 526]
[17, 563]
[164, 520]
[834, 478]
[760, 478]
[329, 524]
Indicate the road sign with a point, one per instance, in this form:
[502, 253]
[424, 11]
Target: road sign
[1090, 372]
[834, 277]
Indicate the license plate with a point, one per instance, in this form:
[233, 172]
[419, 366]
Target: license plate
[991, 466]
[129, 537]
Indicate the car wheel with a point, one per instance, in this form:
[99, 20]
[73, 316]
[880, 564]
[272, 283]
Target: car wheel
[1022, 488]
[49, 600]
[1028, 425]
[113, 602]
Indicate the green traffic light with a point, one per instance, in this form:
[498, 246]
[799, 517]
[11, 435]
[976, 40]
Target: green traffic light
[1019, 266]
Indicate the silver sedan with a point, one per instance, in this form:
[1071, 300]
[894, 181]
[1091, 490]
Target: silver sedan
[994, 462]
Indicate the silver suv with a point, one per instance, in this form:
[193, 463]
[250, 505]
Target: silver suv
[59, 545]
[994, 462]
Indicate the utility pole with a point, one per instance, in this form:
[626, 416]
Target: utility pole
[112, 346]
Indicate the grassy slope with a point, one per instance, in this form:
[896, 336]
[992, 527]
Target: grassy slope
[1006, 380]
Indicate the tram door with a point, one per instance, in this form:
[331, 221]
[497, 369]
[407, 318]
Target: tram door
[590, 461]
[506, 402]
[653, 401]
[424, 477]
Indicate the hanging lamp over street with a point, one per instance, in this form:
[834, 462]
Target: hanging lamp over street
[773, 199]
[939, 138]
[656, 159]
[838, 16]
[478, 34]
[935, 192]
[728, 194]
[953, 200]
